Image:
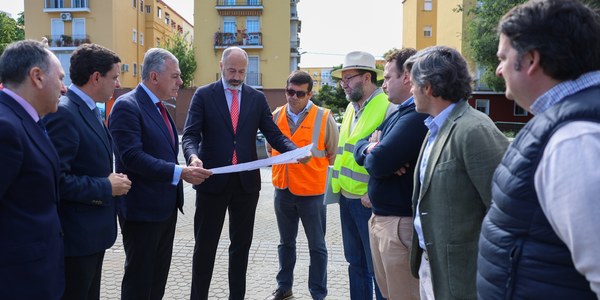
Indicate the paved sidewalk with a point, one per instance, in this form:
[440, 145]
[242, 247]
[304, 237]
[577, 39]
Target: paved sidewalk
[262, 266]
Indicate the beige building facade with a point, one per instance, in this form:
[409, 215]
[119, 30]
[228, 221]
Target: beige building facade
[128, 27]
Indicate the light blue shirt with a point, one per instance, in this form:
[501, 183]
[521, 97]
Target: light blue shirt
[178, 169]
[296, 117]
[87, 99]
[434, 125]
[26, 105]
[564, 89]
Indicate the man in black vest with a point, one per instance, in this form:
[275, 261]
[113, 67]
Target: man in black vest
[539, 239]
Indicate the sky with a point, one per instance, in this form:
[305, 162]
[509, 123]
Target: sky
[330, 28]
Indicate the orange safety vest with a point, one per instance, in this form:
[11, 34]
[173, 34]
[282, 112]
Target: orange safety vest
[304, 179]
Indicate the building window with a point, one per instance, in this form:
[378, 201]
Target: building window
[142, 5]
[159, 13]
[134, 3]
[483, 105]
[141, 38]
[519, 111]
[157, 42]
[55, 4]
[134, 69]
[427, 31]
[167, 18]
[79, 4]
[428, 5]
[148, 9]
[134, 36]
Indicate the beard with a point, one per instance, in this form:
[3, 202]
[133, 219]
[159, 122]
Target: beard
[232, 83]
[356, 94]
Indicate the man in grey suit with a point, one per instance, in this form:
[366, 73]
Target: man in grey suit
[453, 175]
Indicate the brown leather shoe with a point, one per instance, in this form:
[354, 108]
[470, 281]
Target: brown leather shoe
[281, 295]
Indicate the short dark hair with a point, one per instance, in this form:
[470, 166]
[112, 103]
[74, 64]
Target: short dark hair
[19, 58]
[566, 33]
[400, 56]
[444, 69]
[299, 78]
[90, 58]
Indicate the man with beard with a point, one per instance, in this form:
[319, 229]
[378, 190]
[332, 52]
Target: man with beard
[367, 109]
[220, 130]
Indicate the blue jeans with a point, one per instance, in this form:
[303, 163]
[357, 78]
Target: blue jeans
[357, 249]
[289, 209]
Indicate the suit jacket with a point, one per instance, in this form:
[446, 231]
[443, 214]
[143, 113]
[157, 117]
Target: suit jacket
[145, 152]
[31, 243]
[209, 134]
[87, 208]
[454, 198]
[402, 134]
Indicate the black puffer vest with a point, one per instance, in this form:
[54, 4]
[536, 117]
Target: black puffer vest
[520, 256]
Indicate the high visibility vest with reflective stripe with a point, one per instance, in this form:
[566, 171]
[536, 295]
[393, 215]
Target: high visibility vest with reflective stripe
[304, 179]
[347, 174]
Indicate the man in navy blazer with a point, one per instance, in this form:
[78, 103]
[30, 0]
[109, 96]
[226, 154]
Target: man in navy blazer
[31, 243]
[87, 208]
[147, 145]
[211, 140]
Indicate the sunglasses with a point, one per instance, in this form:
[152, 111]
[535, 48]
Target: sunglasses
[291, 93]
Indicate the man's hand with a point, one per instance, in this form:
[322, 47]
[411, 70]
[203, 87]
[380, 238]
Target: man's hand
[373, 140]
[402, 170]
[195, 173]
[119, 183]
[304, 160]
[365, 201]
[195, 162]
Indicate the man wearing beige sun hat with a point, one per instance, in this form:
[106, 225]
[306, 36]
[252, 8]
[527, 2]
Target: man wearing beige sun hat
[367, 109]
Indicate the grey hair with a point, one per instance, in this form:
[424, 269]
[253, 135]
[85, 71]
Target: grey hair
[154, 61]
[444, 69]
[230, 50]
[19, 58]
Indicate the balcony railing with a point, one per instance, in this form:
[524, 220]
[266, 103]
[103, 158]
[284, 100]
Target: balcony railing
[59, 6]
[226, 39]
[252, 79]
[239, 2]
[65, 40]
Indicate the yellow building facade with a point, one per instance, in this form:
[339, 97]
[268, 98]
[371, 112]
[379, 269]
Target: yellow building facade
[321, 77]
[128, 27]
[266, 29]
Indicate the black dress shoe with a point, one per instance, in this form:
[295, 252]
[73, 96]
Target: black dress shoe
[281, 295]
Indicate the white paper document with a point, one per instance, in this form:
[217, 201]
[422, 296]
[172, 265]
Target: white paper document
[283, 158]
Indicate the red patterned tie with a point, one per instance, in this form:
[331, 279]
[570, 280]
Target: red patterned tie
[163, 113]
[235, 113]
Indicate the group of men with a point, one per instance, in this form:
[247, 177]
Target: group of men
[434, 202]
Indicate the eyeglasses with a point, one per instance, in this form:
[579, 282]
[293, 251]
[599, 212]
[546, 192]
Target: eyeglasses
[345, 80]
[291, 93]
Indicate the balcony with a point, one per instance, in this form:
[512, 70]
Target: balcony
[253, 79]
[239, 4]
[67, 41]
[251, 40]
[59, 6]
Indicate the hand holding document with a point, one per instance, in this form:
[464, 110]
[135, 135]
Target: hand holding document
[289, 157]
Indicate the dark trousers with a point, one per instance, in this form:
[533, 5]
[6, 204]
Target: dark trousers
[82, 277]
[148, 249]
[208, 223]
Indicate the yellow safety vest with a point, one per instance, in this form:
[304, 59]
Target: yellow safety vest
[304, 179]
[347, 174]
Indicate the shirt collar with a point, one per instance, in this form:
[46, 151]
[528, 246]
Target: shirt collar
[375, 93]
[434, 124]
[407, 102]
[152, 96]
[564, 89]
[87, 99]
[26, 105]
[306, 108]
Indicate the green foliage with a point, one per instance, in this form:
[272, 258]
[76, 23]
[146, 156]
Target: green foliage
[10, 31]
[184, 51]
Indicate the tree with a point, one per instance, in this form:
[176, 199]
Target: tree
[10, 31]
[184, 51]
[482, 37]
[334, 98]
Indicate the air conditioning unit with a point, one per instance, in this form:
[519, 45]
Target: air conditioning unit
[65, 16]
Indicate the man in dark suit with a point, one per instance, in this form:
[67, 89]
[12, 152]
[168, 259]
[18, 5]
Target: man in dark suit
[31, 243]
[87, 208]
[212, 138]
[146, 150]
[394, 145]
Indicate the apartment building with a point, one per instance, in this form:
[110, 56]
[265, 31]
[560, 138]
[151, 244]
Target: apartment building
[266, 29]
[321, 77]
[438, 22]
[128, 27]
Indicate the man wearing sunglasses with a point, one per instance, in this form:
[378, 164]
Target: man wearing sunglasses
[299, 188]
[367, 109]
